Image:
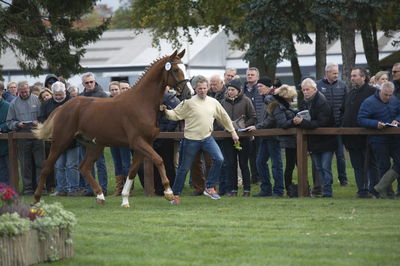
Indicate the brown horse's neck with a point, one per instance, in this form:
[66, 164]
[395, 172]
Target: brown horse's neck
[151, 86]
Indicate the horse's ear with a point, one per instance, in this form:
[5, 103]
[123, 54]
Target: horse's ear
[173, 55]
[181, 54]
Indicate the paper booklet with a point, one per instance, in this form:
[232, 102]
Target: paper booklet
[305, 114]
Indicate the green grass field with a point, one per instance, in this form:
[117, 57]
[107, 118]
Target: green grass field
[235, 231]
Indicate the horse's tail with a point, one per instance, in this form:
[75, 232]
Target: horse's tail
[45, 131]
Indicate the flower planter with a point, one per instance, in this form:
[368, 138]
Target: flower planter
[31, 247]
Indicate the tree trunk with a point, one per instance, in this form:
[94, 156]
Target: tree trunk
[265, 68]
[320, 50]
[370, 43]
[294, 61]
[347, 40]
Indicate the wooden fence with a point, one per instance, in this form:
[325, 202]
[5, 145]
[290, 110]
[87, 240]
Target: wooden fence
[301, 137]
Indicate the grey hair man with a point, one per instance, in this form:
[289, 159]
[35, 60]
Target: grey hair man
[335, 92]
[379, 111]
[229, 74]
[91, 87]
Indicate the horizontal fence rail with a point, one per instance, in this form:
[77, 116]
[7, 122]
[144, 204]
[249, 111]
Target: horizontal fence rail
[301, 138]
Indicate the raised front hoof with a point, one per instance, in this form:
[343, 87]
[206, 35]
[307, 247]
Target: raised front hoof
[100, 201]
[125, 205]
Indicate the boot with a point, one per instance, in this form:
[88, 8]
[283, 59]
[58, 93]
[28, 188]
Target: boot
[119, 184]
[386, 181]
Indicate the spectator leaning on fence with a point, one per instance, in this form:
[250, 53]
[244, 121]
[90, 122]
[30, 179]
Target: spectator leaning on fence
[66, 166]
[199, 113]
[321, 147]
[22, 117]
[268, 147]
[379, 111]
[361, 158]
[335, 92]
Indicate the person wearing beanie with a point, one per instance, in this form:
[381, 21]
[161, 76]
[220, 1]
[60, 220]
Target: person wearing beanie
[238, 107]
[282, 113]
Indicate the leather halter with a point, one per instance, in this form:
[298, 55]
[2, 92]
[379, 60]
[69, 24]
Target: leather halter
[177, 83]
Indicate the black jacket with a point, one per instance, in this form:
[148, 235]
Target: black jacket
[97, 92]
[282, 116]
[335, 93]
[349, 112]
[48, 107]
[321, 116]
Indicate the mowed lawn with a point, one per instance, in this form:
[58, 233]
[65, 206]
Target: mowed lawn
[235, 231]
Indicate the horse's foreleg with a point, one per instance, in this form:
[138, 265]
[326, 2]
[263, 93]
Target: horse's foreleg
[92, 154]
[48, 167]
[150, 153]
[137, 160]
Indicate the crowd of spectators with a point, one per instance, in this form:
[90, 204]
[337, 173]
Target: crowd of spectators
[223, 167]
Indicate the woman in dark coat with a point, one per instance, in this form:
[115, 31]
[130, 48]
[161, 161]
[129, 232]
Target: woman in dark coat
[238, 107]
[282, 114]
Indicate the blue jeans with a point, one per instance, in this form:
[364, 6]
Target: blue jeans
[4, 174]
[341, 161]
[363, 179]
[323, 163]
[270, 148]
[223, 177]
[101, 172]
[122, 160]
[188, 150]
[66, 170]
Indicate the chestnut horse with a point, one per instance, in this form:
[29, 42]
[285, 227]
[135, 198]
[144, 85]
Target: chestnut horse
[89, 120]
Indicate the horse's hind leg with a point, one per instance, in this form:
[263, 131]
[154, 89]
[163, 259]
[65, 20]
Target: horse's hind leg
[92, 154]
[148, 151]
[137, 160]
[56, 149]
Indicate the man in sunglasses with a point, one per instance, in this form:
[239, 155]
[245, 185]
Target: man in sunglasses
[93, 89]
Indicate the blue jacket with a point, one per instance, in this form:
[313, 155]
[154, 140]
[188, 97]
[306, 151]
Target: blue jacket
[373, 110]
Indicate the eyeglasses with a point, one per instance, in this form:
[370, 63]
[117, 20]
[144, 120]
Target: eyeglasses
[395, 71]
[89, 82]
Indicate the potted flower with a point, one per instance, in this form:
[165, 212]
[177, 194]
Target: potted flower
[36, 234]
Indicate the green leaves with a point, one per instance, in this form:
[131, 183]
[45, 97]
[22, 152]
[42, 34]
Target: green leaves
[43, 35]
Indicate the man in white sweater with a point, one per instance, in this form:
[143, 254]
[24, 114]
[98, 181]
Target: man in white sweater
[199, 113]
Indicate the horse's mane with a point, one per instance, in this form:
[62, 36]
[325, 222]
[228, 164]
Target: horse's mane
[146, 70]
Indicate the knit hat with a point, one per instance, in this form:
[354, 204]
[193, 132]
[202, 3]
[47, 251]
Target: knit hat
[235, 83]
[266, 81]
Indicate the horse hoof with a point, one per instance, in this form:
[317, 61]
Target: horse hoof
[168, 196]
[100, 201]
[125, 205]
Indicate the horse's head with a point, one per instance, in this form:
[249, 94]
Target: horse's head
[176, 74]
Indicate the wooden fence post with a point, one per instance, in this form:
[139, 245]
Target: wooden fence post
[13, 161]
[302, 172]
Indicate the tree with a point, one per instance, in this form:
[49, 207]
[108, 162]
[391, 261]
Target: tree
[43, 36]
